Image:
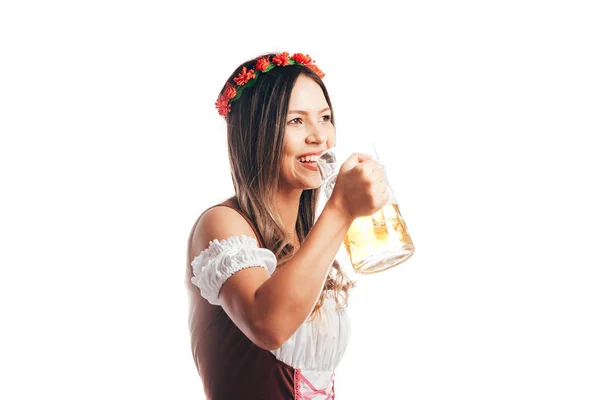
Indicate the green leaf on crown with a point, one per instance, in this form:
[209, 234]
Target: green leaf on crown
[239, 89]
[251, 82]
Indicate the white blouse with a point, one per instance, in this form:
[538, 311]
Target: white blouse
[317, 346]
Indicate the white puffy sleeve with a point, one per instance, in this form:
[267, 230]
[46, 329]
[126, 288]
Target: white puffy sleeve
[213, 266]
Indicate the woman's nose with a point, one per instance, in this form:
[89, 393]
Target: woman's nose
[317, 134]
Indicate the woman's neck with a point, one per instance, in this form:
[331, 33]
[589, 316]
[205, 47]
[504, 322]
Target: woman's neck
[288, 203]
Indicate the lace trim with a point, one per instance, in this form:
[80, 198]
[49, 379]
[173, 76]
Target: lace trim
[297, 393]
[215, 247]
[311, 391]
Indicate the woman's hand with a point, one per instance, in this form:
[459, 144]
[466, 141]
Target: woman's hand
[361, 188]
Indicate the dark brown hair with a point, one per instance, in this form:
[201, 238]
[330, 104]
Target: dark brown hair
[255, 137]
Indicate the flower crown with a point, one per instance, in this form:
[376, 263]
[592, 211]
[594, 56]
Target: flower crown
[247, 78]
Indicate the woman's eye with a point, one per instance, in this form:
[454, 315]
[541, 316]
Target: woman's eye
[295, 121]
[326, 118]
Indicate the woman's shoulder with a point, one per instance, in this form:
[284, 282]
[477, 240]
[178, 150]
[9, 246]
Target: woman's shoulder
[219, 222]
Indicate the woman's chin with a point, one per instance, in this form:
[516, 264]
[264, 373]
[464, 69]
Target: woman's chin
[313, 184]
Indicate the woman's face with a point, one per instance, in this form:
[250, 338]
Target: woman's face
[308, 133]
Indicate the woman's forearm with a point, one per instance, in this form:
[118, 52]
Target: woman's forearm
[286, 299]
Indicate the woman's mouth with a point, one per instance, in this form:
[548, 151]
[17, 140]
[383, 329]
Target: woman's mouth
[309, 162]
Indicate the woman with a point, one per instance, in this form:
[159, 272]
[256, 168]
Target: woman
[267, 298]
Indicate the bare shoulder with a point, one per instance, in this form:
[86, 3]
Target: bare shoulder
[218, 223]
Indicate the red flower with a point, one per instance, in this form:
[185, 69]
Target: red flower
[302, 59]
[244, 76]
[316, 70]
[222, 104]
[229, 92]
[281, 59]
[262, 64]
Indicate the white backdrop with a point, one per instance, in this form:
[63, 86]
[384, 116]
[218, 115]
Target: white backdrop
[111, 148]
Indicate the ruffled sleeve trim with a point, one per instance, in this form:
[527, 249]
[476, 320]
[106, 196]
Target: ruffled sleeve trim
[213, 266]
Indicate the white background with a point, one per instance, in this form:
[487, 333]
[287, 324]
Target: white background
[111, 147]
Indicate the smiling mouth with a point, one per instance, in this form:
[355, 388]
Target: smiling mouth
[308, 159]
[312, 165]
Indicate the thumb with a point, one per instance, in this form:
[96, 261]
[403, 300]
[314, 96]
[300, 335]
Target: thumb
[355, 159]
[362, 157]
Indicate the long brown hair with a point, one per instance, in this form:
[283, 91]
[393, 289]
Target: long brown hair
[255, 137]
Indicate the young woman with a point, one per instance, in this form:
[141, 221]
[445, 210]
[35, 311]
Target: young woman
[267, 299]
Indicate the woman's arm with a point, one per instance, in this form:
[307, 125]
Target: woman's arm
[270, 309]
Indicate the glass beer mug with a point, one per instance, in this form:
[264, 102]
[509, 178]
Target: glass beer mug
[374, 243]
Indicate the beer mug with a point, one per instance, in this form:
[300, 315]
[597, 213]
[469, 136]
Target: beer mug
[374, 243]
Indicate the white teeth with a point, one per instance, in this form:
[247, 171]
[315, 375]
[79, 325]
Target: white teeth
[308, 159]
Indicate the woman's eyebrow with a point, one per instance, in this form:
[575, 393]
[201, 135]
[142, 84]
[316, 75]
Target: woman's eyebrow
[305, 113]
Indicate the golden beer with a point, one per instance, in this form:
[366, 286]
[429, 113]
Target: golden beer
[378, 242]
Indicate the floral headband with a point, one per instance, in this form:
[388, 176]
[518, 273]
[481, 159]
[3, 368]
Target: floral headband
[247, 78]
